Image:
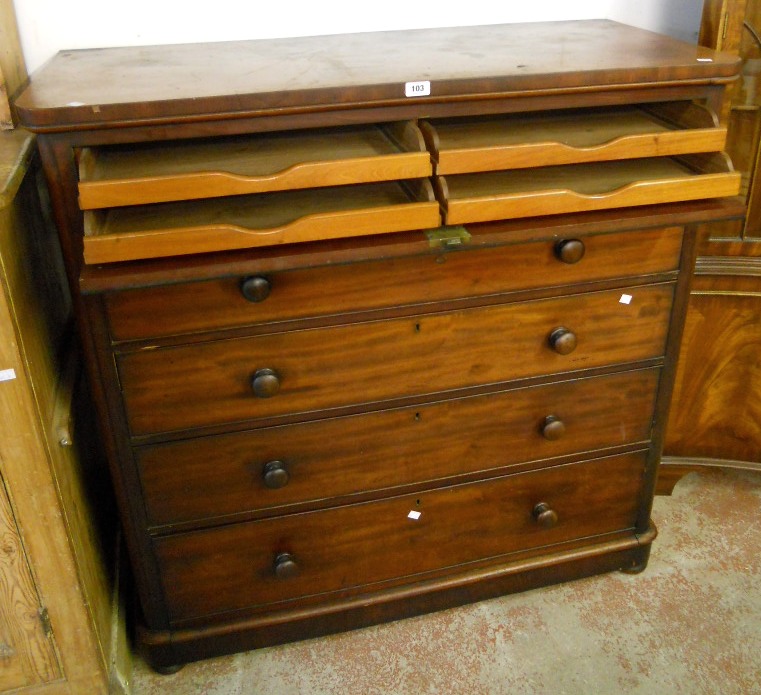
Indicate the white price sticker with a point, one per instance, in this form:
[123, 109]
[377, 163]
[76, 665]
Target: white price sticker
[626, 299]
[417, 89]
[414, 515]
[7, 374]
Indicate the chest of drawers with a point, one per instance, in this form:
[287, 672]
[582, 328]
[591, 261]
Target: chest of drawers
[359, 353]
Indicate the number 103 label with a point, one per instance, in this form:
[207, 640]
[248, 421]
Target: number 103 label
[417, 89]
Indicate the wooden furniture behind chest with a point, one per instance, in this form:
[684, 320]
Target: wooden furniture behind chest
[383, 323]
[55, 603]
[60, 628]
[716, 417]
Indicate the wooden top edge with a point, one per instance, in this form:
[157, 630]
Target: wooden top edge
[15, 155]
[138, 85]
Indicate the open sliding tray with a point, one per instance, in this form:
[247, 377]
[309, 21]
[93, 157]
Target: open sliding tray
[266, 219]
[584, 187]
[184, 170]
[466, 145]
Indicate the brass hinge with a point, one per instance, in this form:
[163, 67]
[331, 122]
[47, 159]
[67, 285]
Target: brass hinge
[447, 237]
[47, 628]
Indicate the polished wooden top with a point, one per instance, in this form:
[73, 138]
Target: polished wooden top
[132, 86]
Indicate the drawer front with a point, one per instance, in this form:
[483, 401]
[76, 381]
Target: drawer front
[307, 371]
[316, 462]
[343, 289]
[345, 548]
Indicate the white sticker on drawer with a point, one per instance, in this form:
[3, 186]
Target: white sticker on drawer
[7, 374]
[626, 299]
[414, 515]
[417, 89]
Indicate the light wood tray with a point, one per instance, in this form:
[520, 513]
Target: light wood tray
[171, 229]
[585, 187]
[120, 176]
[572, 137]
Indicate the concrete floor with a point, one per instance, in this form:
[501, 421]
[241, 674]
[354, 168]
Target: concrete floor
[691, 624]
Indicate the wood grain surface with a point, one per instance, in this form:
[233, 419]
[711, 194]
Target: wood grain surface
[27, 655]
[340, 289]
[189, 383]
[210, 383]
[581, 187]
[332, 460]
[715, 413]
[240, 222]
[130, 84]
[254, 164]
[571, 137]
[45, 481]
[12, 67]
[232, 568]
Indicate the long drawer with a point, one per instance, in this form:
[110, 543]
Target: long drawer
[345, 548]
[324, 461]
[312, 370]
[344, 289]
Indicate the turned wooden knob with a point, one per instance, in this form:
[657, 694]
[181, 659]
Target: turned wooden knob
[544, 515]
[570, 250]
[266, 383]
[285, 566]
[552, 428]
[255, 288]
[563, 340]
[275, 475]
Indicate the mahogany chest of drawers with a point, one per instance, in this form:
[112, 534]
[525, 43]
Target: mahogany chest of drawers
[383, 323]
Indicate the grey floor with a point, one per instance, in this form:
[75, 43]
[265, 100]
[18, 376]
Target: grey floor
[690, 624]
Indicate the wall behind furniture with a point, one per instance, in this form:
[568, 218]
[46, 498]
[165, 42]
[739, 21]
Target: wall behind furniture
[47, 26]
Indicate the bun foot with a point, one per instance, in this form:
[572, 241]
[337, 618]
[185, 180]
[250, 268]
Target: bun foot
[639, 562]
[168, 670]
